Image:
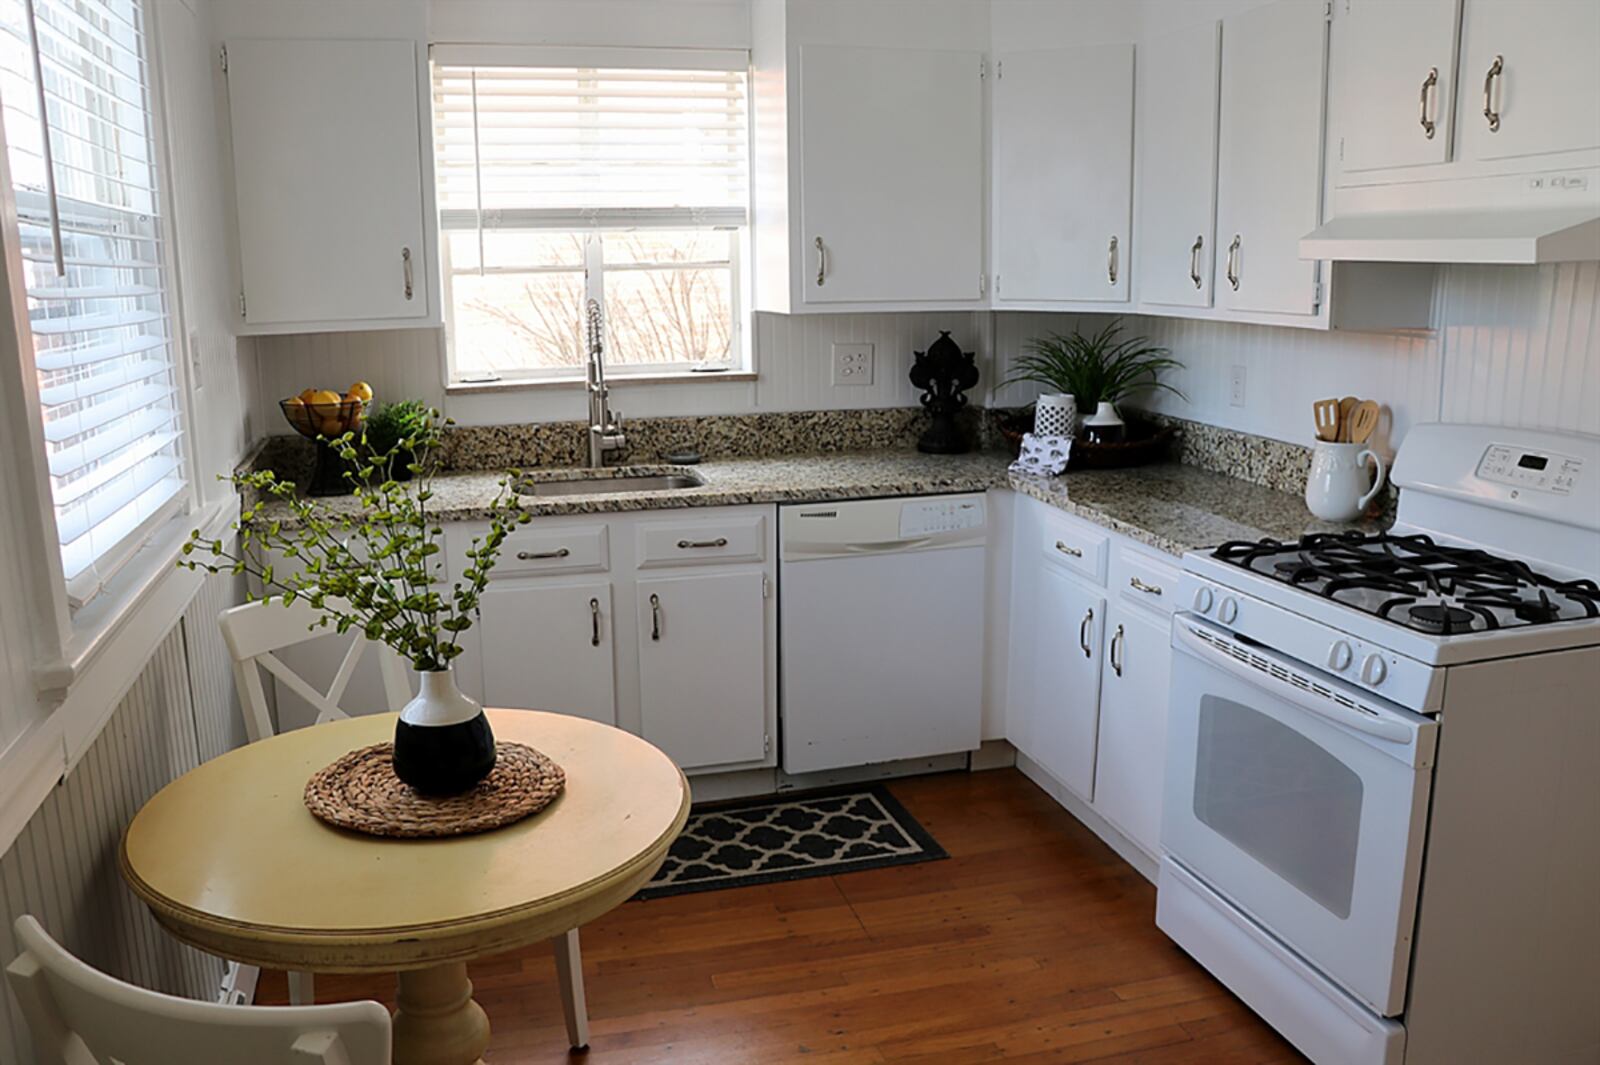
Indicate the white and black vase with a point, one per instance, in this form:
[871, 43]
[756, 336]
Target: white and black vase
[442, 743]
[1104, 426]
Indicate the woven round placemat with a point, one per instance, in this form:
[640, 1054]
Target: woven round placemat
[360, 792]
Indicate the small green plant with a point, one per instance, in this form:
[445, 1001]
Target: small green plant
[1095, 369]
[392, 422]
[381, 561]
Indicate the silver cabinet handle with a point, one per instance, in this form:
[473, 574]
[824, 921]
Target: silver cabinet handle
[822, 261]
[1495, 70]
[1065, 550]
[685, 545]
[1140, 586]
[1111, 261]
[655, 617]
[530, 556]
[405, 264]
[1233, 262]
[1116, 646]
[1194, 260]
[594, 622]
[1083, 633]
[1429, 83]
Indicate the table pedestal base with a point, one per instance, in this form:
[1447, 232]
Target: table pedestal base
[437, 1022]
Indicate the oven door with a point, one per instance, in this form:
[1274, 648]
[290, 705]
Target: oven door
[1303, 801]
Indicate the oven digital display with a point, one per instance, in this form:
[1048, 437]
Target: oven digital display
[1533, 462]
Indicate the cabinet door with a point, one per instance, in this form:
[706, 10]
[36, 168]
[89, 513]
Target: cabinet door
[891, 175]
[1133, 724]
[1547, 81]
[328, 173]
[1063, 173]
[1269, 180]
[1395, 79]
[703, 667]
[549, 647]
[1067, 625]
[1178, 166]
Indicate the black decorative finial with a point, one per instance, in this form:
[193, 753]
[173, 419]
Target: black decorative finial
[944, 372]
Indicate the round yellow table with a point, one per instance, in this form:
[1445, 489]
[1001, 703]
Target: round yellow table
[228, 859]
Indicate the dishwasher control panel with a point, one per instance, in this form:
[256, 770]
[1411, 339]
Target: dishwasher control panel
[926, 517]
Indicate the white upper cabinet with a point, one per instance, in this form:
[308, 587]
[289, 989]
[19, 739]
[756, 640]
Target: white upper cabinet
[1398, 66]
[1530, 80]
[1178, 80]
[1063, 175]
[1270, 149]
[891, 175]
[329, 176]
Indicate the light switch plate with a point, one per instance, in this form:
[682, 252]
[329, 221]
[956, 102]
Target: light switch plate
[852, 364]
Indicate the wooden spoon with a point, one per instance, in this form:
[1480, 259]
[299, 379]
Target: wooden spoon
[1347, 413]
[1363, 421]
[1325, 415]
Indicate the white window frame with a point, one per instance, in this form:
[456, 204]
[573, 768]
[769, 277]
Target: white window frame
[741, 364]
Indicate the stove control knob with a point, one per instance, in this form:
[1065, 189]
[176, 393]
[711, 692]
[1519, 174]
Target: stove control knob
[1202, 600]
[1340, 656]
[1228, 611]
[1373, 670]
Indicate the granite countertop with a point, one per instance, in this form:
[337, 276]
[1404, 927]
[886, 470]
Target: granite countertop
[1171, 507]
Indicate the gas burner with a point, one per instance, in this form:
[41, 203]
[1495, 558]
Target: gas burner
[1439, 618]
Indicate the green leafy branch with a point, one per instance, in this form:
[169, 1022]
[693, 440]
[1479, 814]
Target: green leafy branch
[378, 569]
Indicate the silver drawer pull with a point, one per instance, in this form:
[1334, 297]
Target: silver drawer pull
[655, 617]
[1495, 70]
[1140, 586]
[532, 556]
[687, 545]
[405, 263]
[1194, 259]
[1116, 649]
[1429, 83]
[1111, 261]
[594, 622]
[1075, 552]
[1083, 633]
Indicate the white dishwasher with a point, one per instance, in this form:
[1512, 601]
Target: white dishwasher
[880, 610]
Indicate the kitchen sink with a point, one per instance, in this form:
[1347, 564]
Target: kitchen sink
[604, 483]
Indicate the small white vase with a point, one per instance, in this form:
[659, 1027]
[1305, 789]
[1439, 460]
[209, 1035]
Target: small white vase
[1104, 426]
[442, 743]
[1056, 414]
[1339, 486]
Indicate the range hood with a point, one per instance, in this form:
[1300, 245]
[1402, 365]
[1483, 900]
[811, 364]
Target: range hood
[1522, 237]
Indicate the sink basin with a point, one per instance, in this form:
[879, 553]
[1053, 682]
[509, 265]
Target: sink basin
[606, 484]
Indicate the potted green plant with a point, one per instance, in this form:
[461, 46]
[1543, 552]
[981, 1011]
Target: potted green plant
[1095, 369]
[378, 567]
[392, 423]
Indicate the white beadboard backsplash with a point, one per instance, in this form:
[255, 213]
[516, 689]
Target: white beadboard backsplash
[1513, 345]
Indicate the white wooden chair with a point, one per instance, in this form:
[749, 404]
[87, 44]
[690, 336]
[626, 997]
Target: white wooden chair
[253, 633]
[81, 1016]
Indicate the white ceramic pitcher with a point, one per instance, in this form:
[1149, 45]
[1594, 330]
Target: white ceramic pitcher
[1339, 487]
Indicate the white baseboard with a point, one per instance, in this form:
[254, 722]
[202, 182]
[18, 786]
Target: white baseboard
[994, 754]
[715, 787]
[1126, 849]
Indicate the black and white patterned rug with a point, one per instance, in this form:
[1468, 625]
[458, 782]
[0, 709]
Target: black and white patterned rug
[766, 840]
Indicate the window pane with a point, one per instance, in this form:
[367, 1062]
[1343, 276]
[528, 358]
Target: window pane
[663, 246]
[517, 322]
[515, 250]
[658, 316]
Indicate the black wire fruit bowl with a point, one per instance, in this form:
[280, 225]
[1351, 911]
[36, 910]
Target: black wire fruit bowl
[320, 422]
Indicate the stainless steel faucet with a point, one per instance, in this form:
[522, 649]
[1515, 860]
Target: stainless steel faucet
[605, 428]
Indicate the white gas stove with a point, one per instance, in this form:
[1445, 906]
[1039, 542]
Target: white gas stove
[1349, 709]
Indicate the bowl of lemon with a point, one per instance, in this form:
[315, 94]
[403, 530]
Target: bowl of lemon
[323, 415]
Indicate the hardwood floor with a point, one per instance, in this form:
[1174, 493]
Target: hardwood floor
[1033, 943]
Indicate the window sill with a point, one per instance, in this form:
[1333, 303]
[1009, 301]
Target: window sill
[469, 388]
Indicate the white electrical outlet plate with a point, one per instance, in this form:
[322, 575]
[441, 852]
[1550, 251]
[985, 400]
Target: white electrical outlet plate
[1236, 388]
[852, 364]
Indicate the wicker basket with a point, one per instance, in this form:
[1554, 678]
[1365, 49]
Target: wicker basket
[1147, 443]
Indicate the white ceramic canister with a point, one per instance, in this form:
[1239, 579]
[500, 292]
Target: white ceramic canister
[1339, 486]
[1056, 415]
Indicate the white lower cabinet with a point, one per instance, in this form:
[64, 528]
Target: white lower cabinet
[703, 667]
[1133, 723]
[1067, 623]
[548, 646]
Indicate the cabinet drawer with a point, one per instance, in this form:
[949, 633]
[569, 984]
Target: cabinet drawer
[1078, 547]
[533, 549]
[1145, 580]
[689, 543]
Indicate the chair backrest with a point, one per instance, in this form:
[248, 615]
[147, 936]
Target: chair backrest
[81, 1016]
[254, 631]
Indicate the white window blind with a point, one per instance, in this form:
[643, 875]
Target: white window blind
[75, 87]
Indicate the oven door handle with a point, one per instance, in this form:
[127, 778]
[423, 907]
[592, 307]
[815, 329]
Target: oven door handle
[1185, 638]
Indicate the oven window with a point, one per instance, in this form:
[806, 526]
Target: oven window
[1280, 798]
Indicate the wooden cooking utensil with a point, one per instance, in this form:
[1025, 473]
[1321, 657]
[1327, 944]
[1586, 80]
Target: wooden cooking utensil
[1363, 422]
[1347, 412]
[1325, 414]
